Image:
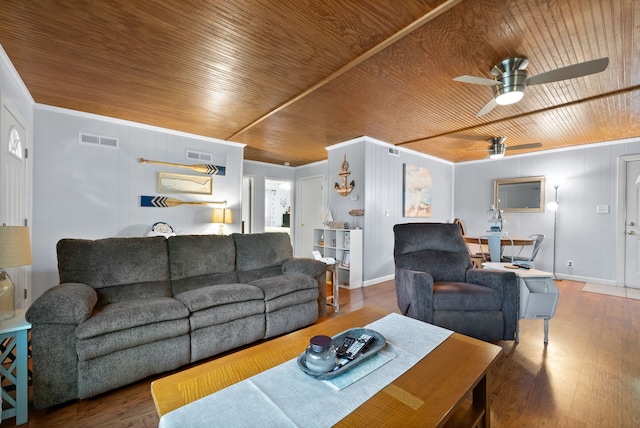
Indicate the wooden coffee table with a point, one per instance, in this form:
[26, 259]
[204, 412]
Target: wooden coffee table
[449, 387]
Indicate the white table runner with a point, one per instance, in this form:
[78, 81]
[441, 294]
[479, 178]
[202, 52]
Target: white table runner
[284, 396]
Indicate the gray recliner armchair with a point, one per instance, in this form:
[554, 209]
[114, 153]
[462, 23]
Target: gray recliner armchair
[436, 283]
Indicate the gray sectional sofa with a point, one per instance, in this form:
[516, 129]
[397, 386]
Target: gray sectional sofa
[128, 308]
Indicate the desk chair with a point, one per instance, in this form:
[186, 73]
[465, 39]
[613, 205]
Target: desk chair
[538, 238]
[477, 258]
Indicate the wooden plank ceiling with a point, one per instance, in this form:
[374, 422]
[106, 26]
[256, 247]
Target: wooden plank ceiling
[291, 77]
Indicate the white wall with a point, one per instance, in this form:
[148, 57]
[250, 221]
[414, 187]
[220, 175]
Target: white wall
[587, 238]
[83, 191]
[378, 180]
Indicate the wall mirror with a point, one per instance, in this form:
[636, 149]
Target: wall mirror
[519, 195]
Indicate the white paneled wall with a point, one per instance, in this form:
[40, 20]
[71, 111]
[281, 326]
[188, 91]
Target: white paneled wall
[92, 192]
[378, 180]
[583, 236]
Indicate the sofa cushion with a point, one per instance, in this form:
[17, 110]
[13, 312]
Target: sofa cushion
[108, 343]
[216, 295]
[196, 255]
[287, 290]
[261, 250]
[140, 264]
[131, 313]
[285, 284]
[455, 296]
[225, 313]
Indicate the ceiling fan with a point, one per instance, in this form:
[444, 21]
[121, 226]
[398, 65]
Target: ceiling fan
[497, 147]
[511, 79]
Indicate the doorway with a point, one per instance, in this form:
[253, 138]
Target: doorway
[277, 205]
[630, 210]
[311, 212]
[14, 203]
[248, 203]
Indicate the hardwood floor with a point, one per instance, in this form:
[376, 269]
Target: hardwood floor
[587, 376]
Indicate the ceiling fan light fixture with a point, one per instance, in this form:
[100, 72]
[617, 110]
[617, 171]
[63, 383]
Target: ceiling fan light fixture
[512, 97]
[497, 147]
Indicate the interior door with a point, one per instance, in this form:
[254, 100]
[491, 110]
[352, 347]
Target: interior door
[632, 229]
[311, 205]
[13, 188]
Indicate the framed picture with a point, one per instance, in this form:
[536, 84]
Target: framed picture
[416, 191]
[346, 259]
[183, 183]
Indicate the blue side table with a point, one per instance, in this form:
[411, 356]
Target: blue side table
[13, 336]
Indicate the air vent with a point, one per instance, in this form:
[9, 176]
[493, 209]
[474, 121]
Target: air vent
[394, 152]
[199, 156]
[98, 140]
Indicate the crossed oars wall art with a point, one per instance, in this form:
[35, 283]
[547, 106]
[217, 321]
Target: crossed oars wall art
[202, 168]
[164, 202]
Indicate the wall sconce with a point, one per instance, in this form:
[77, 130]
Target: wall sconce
[222, 216]
[15, 250]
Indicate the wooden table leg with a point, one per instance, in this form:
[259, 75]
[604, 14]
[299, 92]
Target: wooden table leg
[481, 399]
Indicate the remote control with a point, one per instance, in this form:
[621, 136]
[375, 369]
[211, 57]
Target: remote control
[342, 349]
[359, 346]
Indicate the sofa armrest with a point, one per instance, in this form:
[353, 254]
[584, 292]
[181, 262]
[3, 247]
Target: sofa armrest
[304, 266]
[414, 290]
[314, 268]
[69, 303]
[506, 283]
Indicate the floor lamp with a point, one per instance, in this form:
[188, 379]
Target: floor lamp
[553, 206]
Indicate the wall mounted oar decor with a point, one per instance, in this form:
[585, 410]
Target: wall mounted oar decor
[164, 202]
[202, 168]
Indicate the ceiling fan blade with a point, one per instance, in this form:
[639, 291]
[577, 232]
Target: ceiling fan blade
[487, 107]
[525, 146]
[570, 71]
[475, 80]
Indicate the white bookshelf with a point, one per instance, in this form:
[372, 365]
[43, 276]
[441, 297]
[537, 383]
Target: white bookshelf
[342, 245]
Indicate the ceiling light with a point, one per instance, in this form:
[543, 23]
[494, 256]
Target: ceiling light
[497, 147]
[509, 97]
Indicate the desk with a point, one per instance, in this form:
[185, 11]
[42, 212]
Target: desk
[504, 241]
[13, 336]
[538, 295]
[458, 366]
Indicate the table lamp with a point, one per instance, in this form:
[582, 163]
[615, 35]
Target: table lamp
[15, 250]
[222, 216]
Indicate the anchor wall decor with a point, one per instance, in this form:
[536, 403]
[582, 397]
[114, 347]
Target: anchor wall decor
[344, 190]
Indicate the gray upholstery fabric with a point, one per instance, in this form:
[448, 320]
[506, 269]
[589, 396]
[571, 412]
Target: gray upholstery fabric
[453, 296]
[54, 364]
[129, 314]
[113, 319]
[261, 250]
[247, 276]
[129, 365]
[435, 283]
[196, 282]
[201, 260]
[218, 338]
[225, 313]
[285, 284]
[63, 304]
[215, 295]
[107, 343]
[141, 264]
[196, 255]
[290, 318]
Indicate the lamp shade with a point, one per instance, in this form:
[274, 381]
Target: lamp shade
[15, 246]
[222, 215]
